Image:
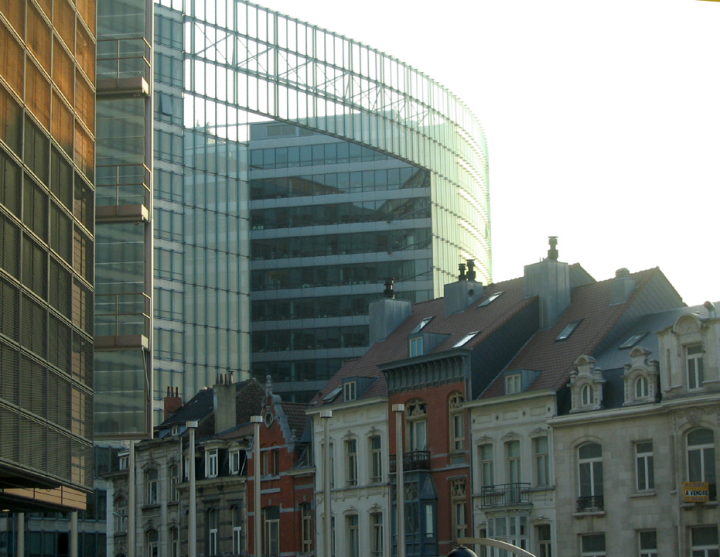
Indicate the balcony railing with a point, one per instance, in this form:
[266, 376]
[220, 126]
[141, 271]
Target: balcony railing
[413, 460]
[505, 495]
[590, 503]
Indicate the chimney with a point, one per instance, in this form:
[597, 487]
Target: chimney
[172, 401]
[224, 403]
[710, 307]
[461, 294]
[550, 281]
[621, 287]
[387, 313]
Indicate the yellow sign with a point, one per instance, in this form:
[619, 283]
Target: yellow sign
[696, 492]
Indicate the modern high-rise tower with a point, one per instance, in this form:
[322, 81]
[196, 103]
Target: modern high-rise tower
[273, 161]
[47, 159]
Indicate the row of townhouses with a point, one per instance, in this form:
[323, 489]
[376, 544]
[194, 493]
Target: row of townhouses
[554, 412]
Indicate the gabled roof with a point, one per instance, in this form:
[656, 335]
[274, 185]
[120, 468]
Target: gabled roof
[485, 320]
[591, 305]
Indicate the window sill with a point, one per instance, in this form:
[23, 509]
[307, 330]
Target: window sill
[173, 503]
[150, 507]
[542, 488]
[643, 494]
[688, 506]
[583, 514]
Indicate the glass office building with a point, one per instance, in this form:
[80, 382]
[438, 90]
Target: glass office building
[264, 159]
[47, 158]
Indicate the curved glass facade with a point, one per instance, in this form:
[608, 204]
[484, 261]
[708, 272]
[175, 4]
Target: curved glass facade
[359, 168]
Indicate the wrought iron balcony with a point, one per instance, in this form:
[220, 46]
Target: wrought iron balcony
[590, 503]
[413, 460]
[505, 495]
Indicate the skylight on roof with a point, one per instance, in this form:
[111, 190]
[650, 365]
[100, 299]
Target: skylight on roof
[465, 339]
[568, 330]
[491, 299]
[335, 392]
[632, 341]
[421, 325]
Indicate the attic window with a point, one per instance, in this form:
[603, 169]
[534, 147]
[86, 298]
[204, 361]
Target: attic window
[568, 330]
[175, 430]
[491, 299]
[632, 341]
[467, 338]
[421, 325]
[416, 347]
[350, 391]
[332, 395]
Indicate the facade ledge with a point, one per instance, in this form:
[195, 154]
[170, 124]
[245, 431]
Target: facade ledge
[583, 514]
[150, 507]
[643, 494]
[691, 506]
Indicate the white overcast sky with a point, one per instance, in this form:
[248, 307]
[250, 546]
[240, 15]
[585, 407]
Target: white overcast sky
[602, 121]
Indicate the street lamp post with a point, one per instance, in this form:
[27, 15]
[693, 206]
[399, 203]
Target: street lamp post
[399, 410]
[192, 511]
[326, 415]
[256, 421]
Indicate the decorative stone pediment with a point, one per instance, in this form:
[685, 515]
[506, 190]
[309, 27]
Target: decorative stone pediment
[586, 385]
[509, 436]
[539, 432]
[687, 325]
[484, 440]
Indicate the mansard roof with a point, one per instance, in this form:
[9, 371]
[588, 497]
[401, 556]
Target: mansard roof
[601, 323]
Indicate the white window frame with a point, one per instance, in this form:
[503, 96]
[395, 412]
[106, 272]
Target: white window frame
[234, 461]
[586, 395]
[542, 461]
[513, 384]
[544, 542]
[352, 523]
[152, 545]
[378, 537]
[416, 347]
[211, 463]
[486, 452]
[151, 487]
[457, 422]
[705, 474]
[592, 552]
[212, 519]
[350, 391]
[459, 508]
[237, 530]
[416, 425]
[642, 387]
[645, 541]
[376, 467]
[120, 515]
[644, 466]
[514, 466]
[694, 366]
[703, 549]
[307, 532]
[594, 465]
[351, 462]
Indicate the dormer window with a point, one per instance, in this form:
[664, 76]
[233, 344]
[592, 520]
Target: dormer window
[491, 299]
[586, 396]
[350, 391]
[211, 463]
[467, 338]
[513, 384]
[123, 462]
[416, 347]
[568, 330]
[586, 385]
[641, 387]
[234, 461]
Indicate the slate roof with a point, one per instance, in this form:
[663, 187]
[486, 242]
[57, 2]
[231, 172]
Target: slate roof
[590, 303]
[197, 408]
[486, 320]
[295, 413]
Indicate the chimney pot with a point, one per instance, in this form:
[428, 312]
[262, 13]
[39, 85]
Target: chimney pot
[462, 276]
[471, 270]
[389, 292]
[622, 273]
[553, 252]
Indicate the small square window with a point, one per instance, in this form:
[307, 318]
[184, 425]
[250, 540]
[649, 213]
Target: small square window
[421, 325]
[467, 338]
[491, 299]
[512, 384]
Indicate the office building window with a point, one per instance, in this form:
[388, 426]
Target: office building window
[644, 468]
[647, 543]
[416, 418]
[593, 545]
[544, 538]
[211, 463]
[457, 422]
[459, 508]
[376, 459]
[271, 519]
[377, 545]
[590, 473]
[212, 522]
[351, 461]
[701, 458]
[542, 474]
[307, 531]
[704, 541]
[487, 465]
[237, 529]
[512, 451]
[151, 487]
[353, 538]
[694, 362]
[152, 543]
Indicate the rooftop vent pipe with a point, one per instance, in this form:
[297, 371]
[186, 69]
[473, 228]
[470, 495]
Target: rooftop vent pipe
[711, 309]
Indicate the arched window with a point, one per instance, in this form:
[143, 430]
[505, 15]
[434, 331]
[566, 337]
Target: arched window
[641, 387]
[586, 395]
[701, 458]
[590, 475]
[457, 422]
[416, 417]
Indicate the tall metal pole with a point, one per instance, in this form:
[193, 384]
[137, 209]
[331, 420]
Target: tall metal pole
[73, 534]
[192, 511]
[20, 535]
[131, 501]
[399, 410]
[257, 522]
[326, 415]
